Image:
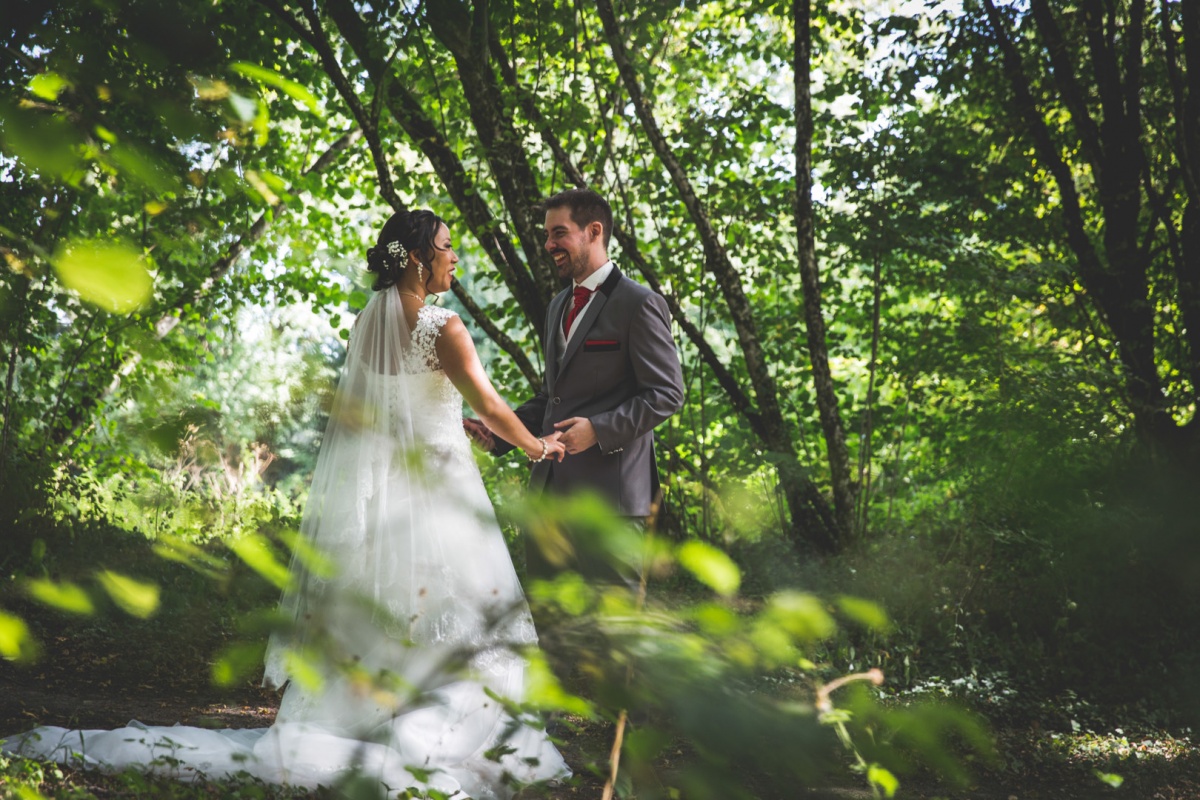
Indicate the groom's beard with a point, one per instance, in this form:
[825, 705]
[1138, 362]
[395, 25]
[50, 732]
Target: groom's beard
[573, 267]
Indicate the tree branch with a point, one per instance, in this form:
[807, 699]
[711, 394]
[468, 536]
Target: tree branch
[316, 37]
[716, 258]
[1089, 260]
[629, 245]
[1068, 85]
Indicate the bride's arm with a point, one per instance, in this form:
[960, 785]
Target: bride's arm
[458, 358]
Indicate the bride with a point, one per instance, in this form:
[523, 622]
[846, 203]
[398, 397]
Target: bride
[405, 612]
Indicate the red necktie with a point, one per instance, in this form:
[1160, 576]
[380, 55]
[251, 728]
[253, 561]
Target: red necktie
[581, 296]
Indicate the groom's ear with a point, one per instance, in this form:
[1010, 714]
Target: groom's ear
[596, 228]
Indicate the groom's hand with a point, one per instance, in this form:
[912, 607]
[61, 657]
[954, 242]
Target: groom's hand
[577, 434]
[480, 434]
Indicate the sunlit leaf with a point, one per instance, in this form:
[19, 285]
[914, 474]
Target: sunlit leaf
[1111, 778]
[261, 188]
[183, 552]
[716, 619]
[154, 208]
[29, 793]
[710, 566]
[865, 612]
[256, 552]
[65, 596]
[110, 275]
[43, 142]
[210, 90]
[310, 557]
[16, 643]
[802, 615]
[304, 671]
[134, 597]
[140, 166]
[270, 77]
[246, 108]
[48, 85]
[881, 779]
[237, 662]
[544, 691]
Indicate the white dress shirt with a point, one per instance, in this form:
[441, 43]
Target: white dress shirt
[592, 282]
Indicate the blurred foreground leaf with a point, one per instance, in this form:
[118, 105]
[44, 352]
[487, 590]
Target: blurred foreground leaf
[45, 143]
[313, 560]
[882, 781]
[710, 566]
[544, 690]
[270, 77]
[48, 85]
[256, 552]
[16, 643]
[865, 612]
[65, 596]
[133, 596]
[237, 663]
[110, 275]
[190, 555]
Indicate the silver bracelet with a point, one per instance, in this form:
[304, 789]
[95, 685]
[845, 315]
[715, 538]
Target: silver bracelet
[542, 457]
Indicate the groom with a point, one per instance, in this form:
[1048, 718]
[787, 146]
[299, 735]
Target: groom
[612, 373]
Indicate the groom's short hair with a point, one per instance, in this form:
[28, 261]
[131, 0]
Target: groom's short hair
[586, 207]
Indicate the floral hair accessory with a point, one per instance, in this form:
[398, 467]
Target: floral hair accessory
[398, 251]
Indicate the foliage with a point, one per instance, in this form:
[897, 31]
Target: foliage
[187, 188]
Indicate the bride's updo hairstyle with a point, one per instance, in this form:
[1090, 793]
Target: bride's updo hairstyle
[405, 232]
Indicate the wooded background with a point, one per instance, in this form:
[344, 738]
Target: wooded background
[934, 272]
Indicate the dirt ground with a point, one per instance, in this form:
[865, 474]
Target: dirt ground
[82, 681]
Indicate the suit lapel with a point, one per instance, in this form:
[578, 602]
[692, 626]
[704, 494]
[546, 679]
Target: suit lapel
[599, 300]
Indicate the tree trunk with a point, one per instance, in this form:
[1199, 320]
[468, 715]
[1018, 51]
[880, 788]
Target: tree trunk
[1116, 274]
[818, 351]
[813, 526]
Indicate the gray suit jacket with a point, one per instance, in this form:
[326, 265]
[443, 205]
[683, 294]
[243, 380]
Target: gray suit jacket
[621, 371]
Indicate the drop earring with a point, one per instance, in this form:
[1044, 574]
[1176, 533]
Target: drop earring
[421, 273]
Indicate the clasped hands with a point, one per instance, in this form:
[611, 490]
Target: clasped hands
[575, 434]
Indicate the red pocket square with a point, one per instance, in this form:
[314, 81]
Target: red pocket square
[600, 341]
[601, 345]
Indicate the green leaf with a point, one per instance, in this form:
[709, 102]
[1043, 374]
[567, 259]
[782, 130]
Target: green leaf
[801, 615]
[256, 552]
[865, 612]
[237, 662]
[65, 596]
[304, 670]
[1111, 778]
[309, 555]
[882, 780]
[140, 166]
[711, 567]
[270, 77]
[543, 689]
[16, 643]
[43, 142]
[110, 275]
[48, 85]
[133, 596]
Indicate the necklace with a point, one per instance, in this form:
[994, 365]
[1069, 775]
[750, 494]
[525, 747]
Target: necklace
[411, 294]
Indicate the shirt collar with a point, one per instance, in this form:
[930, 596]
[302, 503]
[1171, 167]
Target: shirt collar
[592, 282]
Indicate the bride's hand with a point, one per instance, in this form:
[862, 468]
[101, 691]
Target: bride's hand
[554, 448]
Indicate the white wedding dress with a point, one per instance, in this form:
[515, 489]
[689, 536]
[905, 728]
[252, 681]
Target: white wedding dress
[404, 632]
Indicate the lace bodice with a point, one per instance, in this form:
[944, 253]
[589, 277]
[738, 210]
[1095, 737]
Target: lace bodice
[435, 404]
[422, 355]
